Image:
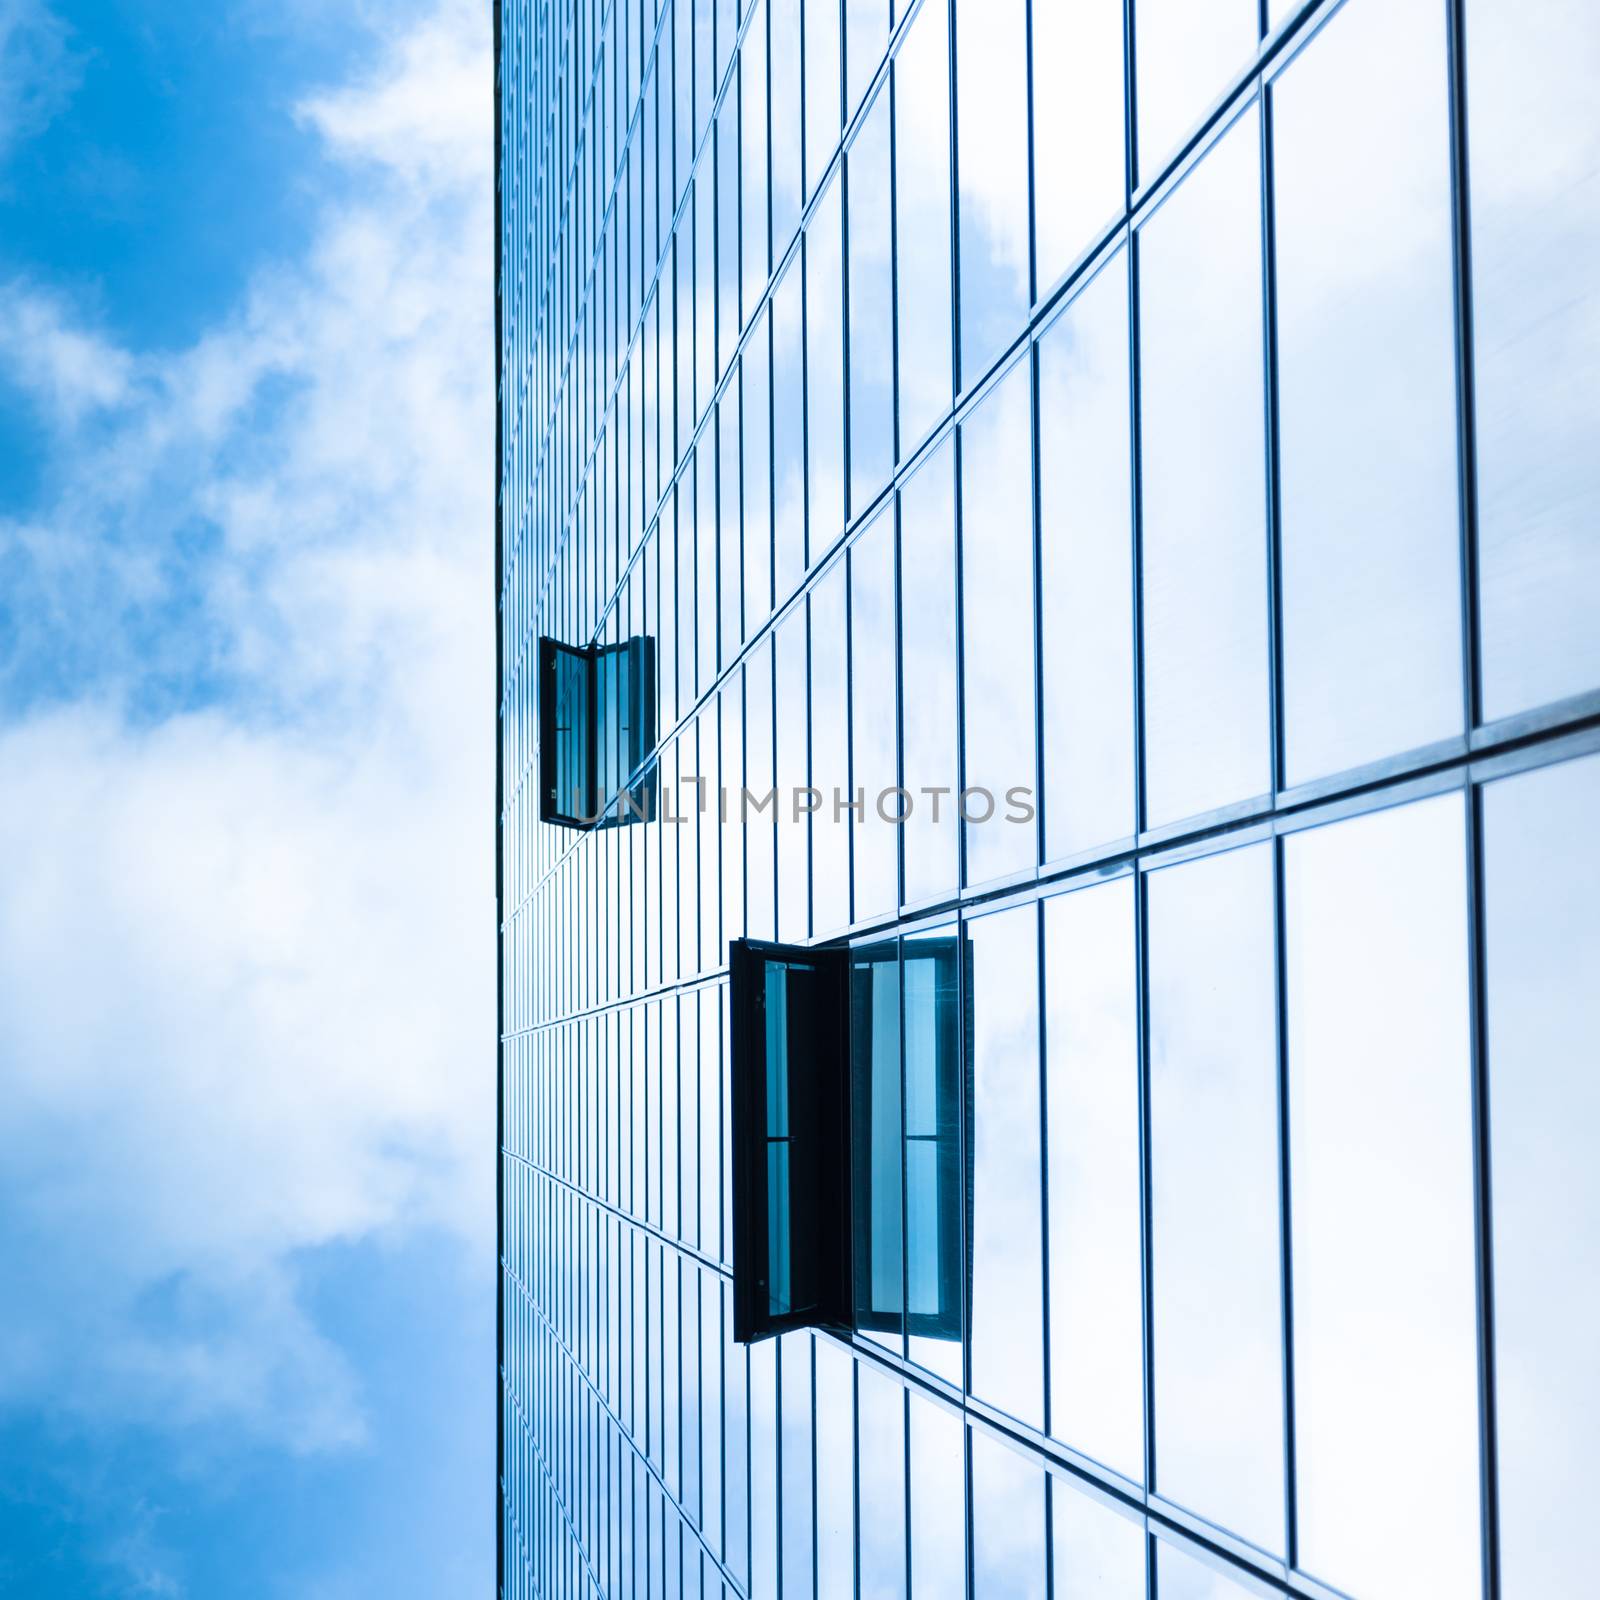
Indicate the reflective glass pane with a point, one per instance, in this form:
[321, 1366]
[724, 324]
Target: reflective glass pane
[992, 112]
[874, 762]
[930, 1009]
[794, 1365]
[1542, 895]
[1078, 107]
[761, 826]
[1380, 1103]
[928, 673]
[877, 1140]
[1007, 1264]
[1086, 568]
[871, 310]
[997, 630]
[788, 435]
[835, 1373]
[753, 158]
[786, 147]
[1097, 1553]
[825, 374]
[1534, 138]
[1187, 52]
[830, 753]
[1204, 487]
[1366, 367]
[1217, 1307]
[793, 766]
[881, 1454]
[764, 1470]
[938, 1504]
[1186, 1577]
[1092, 1123]
[922, 210]
[1007, 1522]
[729, 526]
[822, 87]
[866, 36]
[757, 442]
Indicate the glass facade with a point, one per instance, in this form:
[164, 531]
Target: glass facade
[1090, 507]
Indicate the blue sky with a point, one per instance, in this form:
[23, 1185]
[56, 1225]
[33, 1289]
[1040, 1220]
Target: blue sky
[246, 724]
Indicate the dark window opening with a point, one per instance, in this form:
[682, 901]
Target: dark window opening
[596, 726]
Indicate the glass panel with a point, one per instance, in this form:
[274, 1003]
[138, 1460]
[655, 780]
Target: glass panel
[1086, 568]
[794, 1364]
[835, 1374]
[1215, 1243]
[822, 87]
[788, 436]
[1007, 1522]
[1007, 1265]
[793, 823]
[729, 526]
[1078, 112]
[880, 1450]
[1187, 51]
[784, 62]
[1185, 1577]
[739, 1436]
[1542, 894]
[1096, 1553]
[874, 766]
[1381, 1160]
[930, 985]
[825, 374]
[1092, 1093]
[871, 310]
[1535, 143]
[753, 157]
[928, 673]
[1366, 370]
[922, 209]
[1204, 487]
[866, 36]
[997, 630]
[938, 1505]
[830, 753]
[877, 1140]
[760, 834]
[992, 113]
[757, 370]
[764, 1471]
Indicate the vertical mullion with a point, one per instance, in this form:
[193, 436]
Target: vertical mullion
[1285, 1200]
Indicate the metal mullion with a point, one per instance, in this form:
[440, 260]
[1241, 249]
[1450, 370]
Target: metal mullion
[1285, 1200]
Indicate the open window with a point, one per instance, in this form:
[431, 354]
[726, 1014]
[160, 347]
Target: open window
[596, 726]
[847, 1117]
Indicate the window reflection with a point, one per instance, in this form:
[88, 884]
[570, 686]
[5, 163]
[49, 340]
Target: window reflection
[798, 1469]
[1186, 1577]
[992, 108]
[1370, 557]
[1097, 1553]
[1006, 1312]
[1534, 140]
[881, 1448]
[1092, 1096]
[938, 1504]
[1007, 1522]
[1204, 487]
[830, 753]
[788, 436]
[871, 310]
[1381, 1166]
[835, 1379]
[1086, 568]
[792, 832]
[825, 374]
[877, 1139]
[874, 763]
[1218, 1316]
[1542, 905]
[922, 213]
[822, 87]
[997, 627]
[1187, 51]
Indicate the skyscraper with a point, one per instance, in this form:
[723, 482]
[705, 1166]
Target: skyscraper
[1050, 892]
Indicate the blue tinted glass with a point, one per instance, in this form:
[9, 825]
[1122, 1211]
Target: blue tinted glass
[877, 1141]
[784, 67]
[928, 671]
[830, 754]
[757, 440]
[1186, 1577]
[1008, 1539]
[753, 158]
[1078, 136]
[835, 1376]
[874, 762]
[730, 574]
[866, 35]
[761, 825]
[792, 767]
[922, 213]
[764, 1470]
[1092, 1096]
[798, 1470]
[871, 310]
[1007, 1263]
[881, 1452]
[1097, 1553]
[1204, 487]
[1380, 1109]
[1086, 568]
[822, 44]
[788, 435]
[1366, 364]
[1217, 1312]
[997, 629]
[1542, 903]
[1534, 138]
[938, 1504]
[729, 320]
[992, 108]
[825, 374]
[1187, 51]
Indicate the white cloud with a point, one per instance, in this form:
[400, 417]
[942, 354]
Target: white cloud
[39, 70]
[246, 951]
